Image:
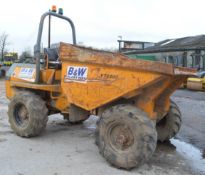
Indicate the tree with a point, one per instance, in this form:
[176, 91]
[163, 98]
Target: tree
[26, 56]
[3, 44]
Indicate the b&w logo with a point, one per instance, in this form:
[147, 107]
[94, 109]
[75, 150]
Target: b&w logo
[77, 73]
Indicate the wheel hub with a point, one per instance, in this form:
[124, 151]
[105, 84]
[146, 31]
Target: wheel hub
[121, 137]
[21, 115]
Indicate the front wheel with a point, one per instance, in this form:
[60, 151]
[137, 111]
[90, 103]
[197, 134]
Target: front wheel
[27, 114]
[125, 136]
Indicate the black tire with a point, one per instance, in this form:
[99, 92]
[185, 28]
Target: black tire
[27, 114]
[125, 136]
[170, 125]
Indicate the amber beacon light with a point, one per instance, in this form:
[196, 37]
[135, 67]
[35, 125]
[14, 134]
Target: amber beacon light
[53, 9]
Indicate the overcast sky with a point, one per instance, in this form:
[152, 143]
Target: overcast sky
[100, 22]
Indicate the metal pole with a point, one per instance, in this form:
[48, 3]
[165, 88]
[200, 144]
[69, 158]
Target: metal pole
[119, 46]
[37, 47]
[49, 31]
[203, 57]
[120, 42]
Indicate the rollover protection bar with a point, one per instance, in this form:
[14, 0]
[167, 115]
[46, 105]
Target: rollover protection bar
[37, 46]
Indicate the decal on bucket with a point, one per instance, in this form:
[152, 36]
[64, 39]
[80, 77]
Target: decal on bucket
[76, 73]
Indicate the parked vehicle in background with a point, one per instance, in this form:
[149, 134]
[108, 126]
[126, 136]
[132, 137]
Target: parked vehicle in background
[10, 58]
[197, 83]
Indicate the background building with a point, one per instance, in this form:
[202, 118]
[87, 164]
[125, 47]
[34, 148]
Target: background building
[186, 52]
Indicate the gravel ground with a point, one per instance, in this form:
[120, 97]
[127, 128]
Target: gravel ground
[70, 149]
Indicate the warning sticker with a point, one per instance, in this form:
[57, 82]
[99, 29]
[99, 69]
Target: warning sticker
[76, 73]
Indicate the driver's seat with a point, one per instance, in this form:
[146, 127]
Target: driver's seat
[53, 58]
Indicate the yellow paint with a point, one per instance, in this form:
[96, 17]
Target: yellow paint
[62, 104]
[103, 83]
[48, 75]
[8, 63]
[196, 83]
[195, 79]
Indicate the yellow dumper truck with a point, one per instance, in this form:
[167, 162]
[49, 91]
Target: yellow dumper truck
[131, 97]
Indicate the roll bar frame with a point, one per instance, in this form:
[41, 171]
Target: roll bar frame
[37, 47]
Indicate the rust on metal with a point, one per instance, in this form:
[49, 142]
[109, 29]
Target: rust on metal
[185, 71]
[45, 87]
[86, 55]
[121, 137]
[163, 101]
[109, 77]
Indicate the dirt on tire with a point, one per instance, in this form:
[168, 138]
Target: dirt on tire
[170, 125]
[33, 110]
[125, 136]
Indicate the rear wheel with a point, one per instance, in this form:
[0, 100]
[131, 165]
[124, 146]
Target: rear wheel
[170, 125]
[126, 137]
[27, 114]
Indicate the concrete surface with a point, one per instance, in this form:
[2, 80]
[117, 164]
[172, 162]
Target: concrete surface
[70, 149]
[192, 106]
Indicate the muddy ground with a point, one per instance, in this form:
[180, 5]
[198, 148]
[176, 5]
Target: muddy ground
[70, 149]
